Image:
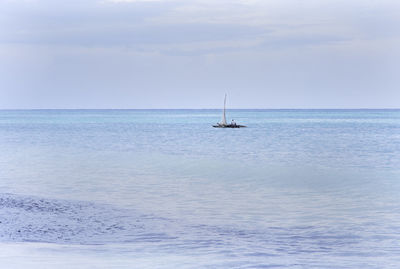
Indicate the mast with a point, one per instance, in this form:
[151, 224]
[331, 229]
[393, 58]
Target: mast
[224, 116]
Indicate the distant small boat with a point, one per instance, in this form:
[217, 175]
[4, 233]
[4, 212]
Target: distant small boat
[223, 123]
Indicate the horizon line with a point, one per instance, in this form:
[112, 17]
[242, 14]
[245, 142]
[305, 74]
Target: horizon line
[283, 108]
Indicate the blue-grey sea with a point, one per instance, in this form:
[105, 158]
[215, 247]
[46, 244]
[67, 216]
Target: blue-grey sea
[164, 189]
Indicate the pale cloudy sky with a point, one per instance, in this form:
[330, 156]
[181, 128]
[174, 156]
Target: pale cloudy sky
[188, 53]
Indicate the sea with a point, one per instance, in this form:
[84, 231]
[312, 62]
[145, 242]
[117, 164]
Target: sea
[164, 189]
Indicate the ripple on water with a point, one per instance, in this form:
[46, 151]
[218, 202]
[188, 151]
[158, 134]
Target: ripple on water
[33, 219]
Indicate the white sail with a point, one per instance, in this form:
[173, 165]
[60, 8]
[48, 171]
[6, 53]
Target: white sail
[223, 122]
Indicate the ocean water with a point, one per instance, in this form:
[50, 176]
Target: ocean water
[163, 189]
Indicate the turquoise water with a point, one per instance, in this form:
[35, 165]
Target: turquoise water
[163, 189]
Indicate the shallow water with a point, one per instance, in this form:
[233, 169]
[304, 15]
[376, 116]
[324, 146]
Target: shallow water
[163, 189]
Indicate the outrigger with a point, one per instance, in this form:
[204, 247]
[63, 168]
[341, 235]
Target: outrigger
[224, 124]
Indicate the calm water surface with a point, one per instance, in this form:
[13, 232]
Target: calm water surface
[163, 189]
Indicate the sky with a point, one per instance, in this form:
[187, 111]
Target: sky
[189, 53]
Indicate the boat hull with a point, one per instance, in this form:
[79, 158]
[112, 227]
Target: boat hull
[229, 126]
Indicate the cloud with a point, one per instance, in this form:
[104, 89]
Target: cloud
[140, 23]
[132, 1]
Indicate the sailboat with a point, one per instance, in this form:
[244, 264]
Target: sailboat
[223, 123]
